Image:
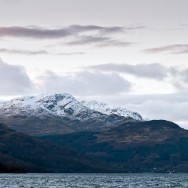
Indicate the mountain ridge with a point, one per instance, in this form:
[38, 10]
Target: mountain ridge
[63, 113]
[96, 133]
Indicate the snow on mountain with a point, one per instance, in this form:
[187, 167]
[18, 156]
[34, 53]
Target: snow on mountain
[110, 109]
[63, 105]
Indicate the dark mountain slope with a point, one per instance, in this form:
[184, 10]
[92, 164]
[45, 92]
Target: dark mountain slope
[152, 146]
[22, 153]
[139, 133]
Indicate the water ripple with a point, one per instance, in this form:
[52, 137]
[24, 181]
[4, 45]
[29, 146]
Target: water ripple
[93, 180]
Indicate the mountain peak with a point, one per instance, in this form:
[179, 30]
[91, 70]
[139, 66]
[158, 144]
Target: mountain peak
[64, 104]
[45, 112]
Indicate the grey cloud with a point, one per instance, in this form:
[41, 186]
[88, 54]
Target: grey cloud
[33, 32]
[98, 41]
[185, 75]
[85, 83]
[88, 40]
[39, 52]
[76, 34]
[70, 53]
[174, 49]
[104, 30]
[44, 33]
[178, 77]
[181, 83]
[138, 99]
[25, 52]
[152, 71]
[14, 80]
[100, 29]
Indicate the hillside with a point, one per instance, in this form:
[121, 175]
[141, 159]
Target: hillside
[22, 153]
[153, 146]
[58, 133]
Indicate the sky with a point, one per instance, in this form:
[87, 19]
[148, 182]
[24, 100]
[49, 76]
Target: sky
[123, 52]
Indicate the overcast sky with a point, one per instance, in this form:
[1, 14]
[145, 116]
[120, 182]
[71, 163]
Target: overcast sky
[124, 52]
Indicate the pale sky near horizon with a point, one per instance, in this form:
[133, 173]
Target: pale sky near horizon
[124, 52]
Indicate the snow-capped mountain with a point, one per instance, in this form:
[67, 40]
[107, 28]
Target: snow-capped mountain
[61, 113]
[62, 105]
[111, 109]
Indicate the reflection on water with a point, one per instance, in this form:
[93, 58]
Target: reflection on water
[93, 180]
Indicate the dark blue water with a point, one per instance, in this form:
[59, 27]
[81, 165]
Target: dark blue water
[93, 180]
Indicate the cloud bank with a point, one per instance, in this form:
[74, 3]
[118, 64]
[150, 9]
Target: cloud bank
[151, 71]
[84, 83]
[14, 80]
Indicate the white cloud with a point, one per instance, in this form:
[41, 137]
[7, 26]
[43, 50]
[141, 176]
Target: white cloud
[84, 83]
[14, 80]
